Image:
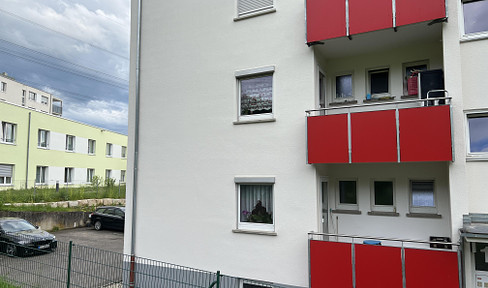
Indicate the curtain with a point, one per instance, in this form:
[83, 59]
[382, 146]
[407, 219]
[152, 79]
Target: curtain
[423, 194]
[250, 195]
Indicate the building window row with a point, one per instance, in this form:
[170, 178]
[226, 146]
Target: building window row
[421, 196]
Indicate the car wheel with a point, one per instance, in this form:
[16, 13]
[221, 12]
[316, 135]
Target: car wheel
[11, 250]
[98, 225]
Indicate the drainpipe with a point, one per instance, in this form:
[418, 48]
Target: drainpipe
[136, 146]
[28, 146]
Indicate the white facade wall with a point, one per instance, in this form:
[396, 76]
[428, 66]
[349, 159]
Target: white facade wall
[81, 145]
[57, 141]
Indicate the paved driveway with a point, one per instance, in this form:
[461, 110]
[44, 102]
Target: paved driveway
[88, 236]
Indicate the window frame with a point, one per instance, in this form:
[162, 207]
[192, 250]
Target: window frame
[108, 174]
[44, 100]
[32, 96]
[3, 86]
[122, 176]
[109, 149]
[92, 144]
[470, 155]
[252, 74]
[69, 173]
[123, 152]
[46, 135]
[471, 35]
[334, 94]
[70, 139]
[252, 226]
[346, 206]
[13, 135]
[5, 179]
[407, 65]
[378, 70]
[41, 174]
[422, 209]
[90, 173]
[382, 208]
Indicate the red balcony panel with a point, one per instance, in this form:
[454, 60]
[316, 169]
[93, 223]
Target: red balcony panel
[414, 11]
[330, 264]
[377, 262]
[373, 137]
[327, 139]
[425, 134]
[427, 268]
[369, 15]
[325, 19]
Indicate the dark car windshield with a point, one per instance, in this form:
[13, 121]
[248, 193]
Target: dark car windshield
[16, 226]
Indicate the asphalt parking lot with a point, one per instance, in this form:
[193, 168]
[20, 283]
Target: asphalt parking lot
[88, 236]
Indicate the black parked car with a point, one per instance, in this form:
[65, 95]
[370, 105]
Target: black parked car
[18, 237]
[108, 217]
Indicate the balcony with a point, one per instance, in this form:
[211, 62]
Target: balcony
[345, 261]
[403, 131]
[345, 18]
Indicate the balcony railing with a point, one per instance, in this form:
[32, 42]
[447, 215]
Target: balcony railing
[401, 131]
[354, 261]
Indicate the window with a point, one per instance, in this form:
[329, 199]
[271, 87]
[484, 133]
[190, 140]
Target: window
[109, 149]
[41, 175]
[44, 100]
[255, 203]
[123, 152]
[8, 132]
[43, 138]
[343, 86]
[6, 174]
[108, 174]
[68, 175]
[422, 197]
[32, 96]
[122, 176]
[255, 93]
[379, 82]
[91, 146]
[3, 86]
[70, 143]
[251, 7]
[23, 97]
[474, 12]
[383, 196]
[89, 175]
[410, 76]
[478, 135]
[347, 195]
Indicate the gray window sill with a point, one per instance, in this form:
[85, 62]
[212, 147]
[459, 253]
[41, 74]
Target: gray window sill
[424, 215]
[343, 103]
[343, 211]
[266, 233]
[474, 37]
[251, 121]
[251, 15]
[383, 213]
[478, 158]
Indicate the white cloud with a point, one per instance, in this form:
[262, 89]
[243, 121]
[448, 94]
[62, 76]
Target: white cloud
[99, 112]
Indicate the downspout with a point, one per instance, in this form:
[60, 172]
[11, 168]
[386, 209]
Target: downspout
[136, 146]
[28, 146]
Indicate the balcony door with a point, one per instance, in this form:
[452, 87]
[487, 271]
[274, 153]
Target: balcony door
[324, 205]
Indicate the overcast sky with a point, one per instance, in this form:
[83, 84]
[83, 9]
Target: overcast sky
[76, 50]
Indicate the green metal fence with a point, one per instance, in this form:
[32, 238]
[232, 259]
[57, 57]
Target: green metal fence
[71, 265]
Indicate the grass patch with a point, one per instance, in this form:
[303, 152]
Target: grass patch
[5, 284]
[26, 208]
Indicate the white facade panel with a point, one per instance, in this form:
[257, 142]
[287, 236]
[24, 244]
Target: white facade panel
[81, 145]
[57, 141]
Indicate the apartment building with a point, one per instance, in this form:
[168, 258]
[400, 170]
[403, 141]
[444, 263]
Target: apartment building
[18, 93]
[363, 122]
[38, 149]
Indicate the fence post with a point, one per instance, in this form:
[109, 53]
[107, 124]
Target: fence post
[34, 192]
[216, 283]
[119, 189]
[69, 264]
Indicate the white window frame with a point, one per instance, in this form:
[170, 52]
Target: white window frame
[263, 8]
[43, 144]
[469, 36]
[3, 87]
[251, 226]
[368, 81]
[122, 176]
[92, 144]
[12, 137]
[32, 96]
[334, 84]
[382, 208]
[346, 206]
[41, 174]
[109, 150]
[422, 209]
[108, 173]
[123, 152]
[249, 74]
[404, 71]
[69, 173]
[90, 172]
[474, 156]
[6, 180]
[44, 99]
[70, 139]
